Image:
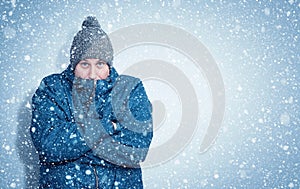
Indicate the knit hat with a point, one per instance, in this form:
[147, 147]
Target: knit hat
[91, 42]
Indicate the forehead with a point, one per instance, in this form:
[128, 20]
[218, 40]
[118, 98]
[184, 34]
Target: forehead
[93, 60]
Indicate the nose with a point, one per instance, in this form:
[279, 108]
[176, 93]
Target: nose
[93, 74]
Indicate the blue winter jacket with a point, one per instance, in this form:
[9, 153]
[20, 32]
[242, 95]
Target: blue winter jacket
[91, 153]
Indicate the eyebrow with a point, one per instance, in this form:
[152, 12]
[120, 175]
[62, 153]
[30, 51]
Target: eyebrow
[100, 61]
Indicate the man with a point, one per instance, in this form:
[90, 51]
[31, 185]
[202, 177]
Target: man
[91, 127]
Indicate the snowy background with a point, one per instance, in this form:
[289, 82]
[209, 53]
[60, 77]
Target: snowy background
[256, 47]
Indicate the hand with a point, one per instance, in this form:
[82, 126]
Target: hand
[83, 95]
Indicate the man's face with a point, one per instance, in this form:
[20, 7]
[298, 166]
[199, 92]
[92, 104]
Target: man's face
[92, 69]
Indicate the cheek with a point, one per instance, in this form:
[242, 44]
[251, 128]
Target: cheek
[81, 73]
[103, 73]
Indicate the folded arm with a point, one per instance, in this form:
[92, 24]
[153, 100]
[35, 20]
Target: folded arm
[53, 130]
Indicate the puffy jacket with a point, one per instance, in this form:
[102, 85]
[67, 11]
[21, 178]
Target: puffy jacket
[90, 152]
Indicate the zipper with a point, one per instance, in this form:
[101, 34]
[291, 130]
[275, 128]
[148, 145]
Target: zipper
[97, 178]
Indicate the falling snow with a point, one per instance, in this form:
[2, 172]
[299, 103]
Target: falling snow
[256, 47]
[88, 172]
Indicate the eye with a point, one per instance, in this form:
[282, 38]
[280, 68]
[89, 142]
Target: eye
[101, 64]
[84, 64]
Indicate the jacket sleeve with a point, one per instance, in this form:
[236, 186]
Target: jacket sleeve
[135, 127]
[54, 133]
[129, 144]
